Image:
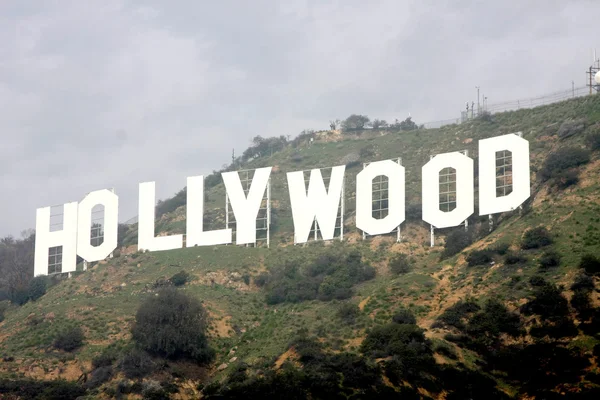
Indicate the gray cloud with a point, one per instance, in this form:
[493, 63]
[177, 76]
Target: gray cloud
[113, 93]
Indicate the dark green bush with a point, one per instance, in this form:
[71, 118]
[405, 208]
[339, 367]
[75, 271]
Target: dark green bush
[592, 140]
[105, 359]
[262, 279]
[37, 287]
[348, 312]
[136, 364]
[549, 259]
[561, 160]
[404, 316]
[173, 325]
[500, 248]
[400, 264]
[456, 241]
[548, 302]
[99, 376]
[479, 257]
[457, 314]
[536, 238]
[583, 282]
[330, 275]
[590, 264]
[180, 278]
[513, 258]
[69, 339]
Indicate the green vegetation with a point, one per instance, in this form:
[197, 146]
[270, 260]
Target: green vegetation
[173, 325]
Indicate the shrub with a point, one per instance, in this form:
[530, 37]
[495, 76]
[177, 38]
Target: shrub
[173, 325]
[549, 259]
[592, 141]
[400, 264]
[348, 312]
[456, 241]
[571, 128]
[457, 313]
[583, 282]
[69, 339]
[479, 257]
[501, 248]
[548, 302]
[105, 359]
[404, 316]
[262, 279]
[536, 238]
[353, 164]
[567, 178]
[561, 160]
[367, 151]
[537, 280]
[37, 287]
[590, 264]
[99, 376]
[136, 364]
[180, 278]
[513, 258]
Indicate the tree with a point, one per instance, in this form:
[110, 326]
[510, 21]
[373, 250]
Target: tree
[16, 265]
[379, 123]
[355, 122]
[173, 325]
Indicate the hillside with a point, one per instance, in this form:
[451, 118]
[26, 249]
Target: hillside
[261, 313]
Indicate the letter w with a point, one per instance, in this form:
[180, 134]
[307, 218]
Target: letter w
[320, 204]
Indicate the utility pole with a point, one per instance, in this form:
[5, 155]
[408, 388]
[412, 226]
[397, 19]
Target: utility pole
[233, 157]
[573, 86]
[478, 107]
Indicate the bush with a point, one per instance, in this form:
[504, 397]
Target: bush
[571, 128]
[592, 141]
[561, 160]
[348, 312]
[173, 325]
[367, 151]
[513, 258]
[456, 241]
[583, 282]
[400, 264]
[479, 257]
[99, 376]
[549, 259]
[180, 278]
[37, 287]
[404, 316]
[567, 178]
[69, 339]
[486, 116]
[590, 264]
[536, 238]
[136, 364]
[501, 248]
[262, 279]
[105, 359]
[456, 314]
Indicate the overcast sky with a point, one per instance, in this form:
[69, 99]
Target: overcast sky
[110, 93]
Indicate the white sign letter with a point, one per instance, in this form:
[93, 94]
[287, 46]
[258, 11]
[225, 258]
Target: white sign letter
[489, 203]
[246, 209]
[67, 238]
[110, 201]
[364, 197]
[146, 239]
[431, 190]
[319, 204]
[195, 235]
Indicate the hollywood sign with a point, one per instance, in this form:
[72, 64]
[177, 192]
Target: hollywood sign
[318, 204]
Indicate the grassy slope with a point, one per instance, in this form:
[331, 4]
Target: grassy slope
[105, 298]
